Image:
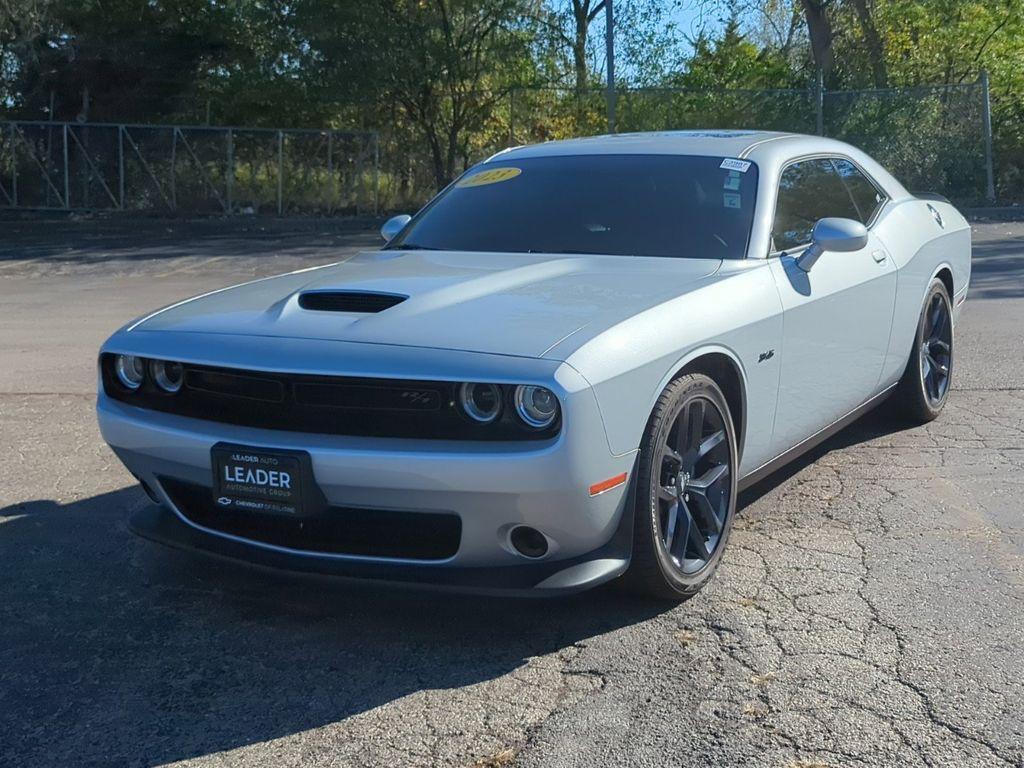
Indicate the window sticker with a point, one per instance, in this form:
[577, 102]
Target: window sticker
[493, 176]
[731, 200]
[732, 181]
[735, 165]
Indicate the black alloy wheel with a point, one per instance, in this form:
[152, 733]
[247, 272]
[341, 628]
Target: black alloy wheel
[924, 388]
[686, 497]
[936, 349]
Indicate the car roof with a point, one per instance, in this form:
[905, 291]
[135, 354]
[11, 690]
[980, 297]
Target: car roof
[770, 150]
[712, 142]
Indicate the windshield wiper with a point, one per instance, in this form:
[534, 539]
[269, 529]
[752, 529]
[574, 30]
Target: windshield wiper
[411, 247]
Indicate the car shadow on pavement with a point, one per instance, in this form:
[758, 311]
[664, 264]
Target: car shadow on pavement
[118, 651]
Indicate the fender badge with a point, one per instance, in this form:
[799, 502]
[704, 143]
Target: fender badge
[766, 356]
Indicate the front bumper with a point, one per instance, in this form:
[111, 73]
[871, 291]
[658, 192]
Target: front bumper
[491, 487]
[545, 578]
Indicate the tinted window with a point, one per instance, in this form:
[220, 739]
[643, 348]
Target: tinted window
[808, 190]
[644, 205]
[865, 196]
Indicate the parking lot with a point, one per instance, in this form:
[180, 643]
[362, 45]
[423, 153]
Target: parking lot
[869, 610]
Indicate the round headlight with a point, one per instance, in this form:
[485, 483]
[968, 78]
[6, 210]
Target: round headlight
[481, 402]
[536, 406]
[131, 370]
[167, 375]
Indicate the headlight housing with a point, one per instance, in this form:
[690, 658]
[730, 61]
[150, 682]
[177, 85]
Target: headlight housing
[481, 402]
[168, 375]
[536, 406]
[131, 371]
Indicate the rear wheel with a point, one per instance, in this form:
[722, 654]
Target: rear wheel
[924, 388]
[686, 492]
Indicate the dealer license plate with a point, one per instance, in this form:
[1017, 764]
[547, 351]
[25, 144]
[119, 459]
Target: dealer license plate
[258, 480]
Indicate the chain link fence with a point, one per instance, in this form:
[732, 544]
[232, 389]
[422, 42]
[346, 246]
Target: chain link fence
[936, 138]
[186, 170]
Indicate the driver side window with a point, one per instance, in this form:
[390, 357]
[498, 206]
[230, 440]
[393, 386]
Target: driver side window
[808, 190]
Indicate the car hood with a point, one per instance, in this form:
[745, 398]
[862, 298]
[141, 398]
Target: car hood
[499, 303]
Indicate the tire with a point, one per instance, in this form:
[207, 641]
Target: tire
[666, 561]
[924, 388]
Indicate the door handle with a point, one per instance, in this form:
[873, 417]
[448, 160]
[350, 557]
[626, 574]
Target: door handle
[878, 256]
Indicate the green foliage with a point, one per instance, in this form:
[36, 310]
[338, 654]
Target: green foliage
[447, 82]
[734, 61]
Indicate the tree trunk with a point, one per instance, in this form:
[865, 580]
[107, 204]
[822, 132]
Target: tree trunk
[580, 12]
[819, 29]
[876, 50]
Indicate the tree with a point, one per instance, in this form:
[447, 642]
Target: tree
[117, 59]
[446, 64]
[734, 61]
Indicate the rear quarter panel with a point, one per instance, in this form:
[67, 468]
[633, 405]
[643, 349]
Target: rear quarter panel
[921, 248]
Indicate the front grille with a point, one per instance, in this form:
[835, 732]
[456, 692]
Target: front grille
[339, 530]
[348, 301]
[334, 405]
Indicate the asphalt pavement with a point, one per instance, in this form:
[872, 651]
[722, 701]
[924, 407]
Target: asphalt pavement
[868, 612]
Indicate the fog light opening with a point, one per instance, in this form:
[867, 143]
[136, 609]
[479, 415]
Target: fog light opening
[528, 542]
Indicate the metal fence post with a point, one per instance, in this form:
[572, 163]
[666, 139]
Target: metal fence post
[280, 172]
[174, 169]
[330, 172]
[67, 180]
[512, 117]
[986, 117]
[609, 43]
[376, 174]
[819, 102]
[230, 171]
[120, 166]
[14, 167]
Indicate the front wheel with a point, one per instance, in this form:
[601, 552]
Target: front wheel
[924, 388]
[686, 490]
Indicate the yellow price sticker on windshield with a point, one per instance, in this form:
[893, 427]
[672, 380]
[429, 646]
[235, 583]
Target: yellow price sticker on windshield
[492, 176]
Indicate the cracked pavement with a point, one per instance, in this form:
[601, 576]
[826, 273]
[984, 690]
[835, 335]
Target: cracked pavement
[869, 610]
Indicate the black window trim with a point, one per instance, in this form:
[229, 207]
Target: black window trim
[832, 157]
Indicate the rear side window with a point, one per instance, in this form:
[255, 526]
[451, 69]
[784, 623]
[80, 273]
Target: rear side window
[808, 190]
[865, 195]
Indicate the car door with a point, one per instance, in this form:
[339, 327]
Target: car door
[837, 316]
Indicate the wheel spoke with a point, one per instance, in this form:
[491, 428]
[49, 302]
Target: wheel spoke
[696, 544]
[708, 479]
[671, 526]
[667, 493]
[934, 315]
[708, 444]
[701, 491]
[704, 512]
[690, 427]
[674, 455]
[937, 366]
[943, 346]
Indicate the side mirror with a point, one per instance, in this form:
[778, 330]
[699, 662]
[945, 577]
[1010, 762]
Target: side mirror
[394, 225]
[833, 234]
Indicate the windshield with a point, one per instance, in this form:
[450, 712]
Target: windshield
[624, 205]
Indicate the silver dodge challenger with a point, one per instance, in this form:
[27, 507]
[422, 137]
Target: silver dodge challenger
[561, 371]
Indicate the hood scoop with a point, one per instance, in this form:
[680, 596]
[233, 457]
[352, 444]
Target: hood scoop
[364, 302]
